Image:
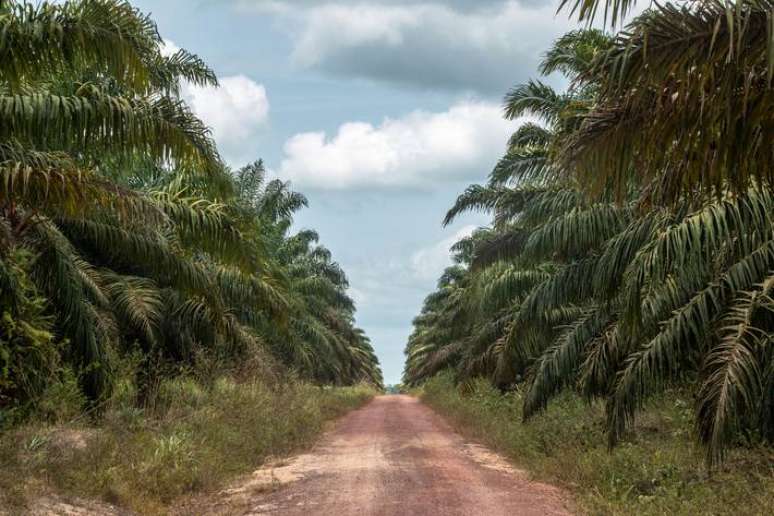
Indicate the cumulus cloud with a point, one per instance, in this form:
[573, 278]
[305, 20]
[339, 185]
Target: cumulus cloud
[359, 296]
[428, 263]
[414, 151]
[234, 111]
[459, 45]
[460, 5]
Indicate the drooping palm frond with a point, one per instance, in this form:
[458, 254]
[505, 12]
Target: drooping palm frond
[209, 226]
[558, 366]
[537, 99]
[683, 335]
[577, 232]
[523, 164]
[147, 251]
[475, 198]
[569, 285]
[603, 359]
[72, 286]
[499, 285]
[530, 134]
[109, 35]
[549, 204]
[257, 293]
[168, 71]
[587, 10]
[137, 303]
[685, 99]
[53, 183]
[162, 127]
[620, 251]
[734, 369]
[699, 236]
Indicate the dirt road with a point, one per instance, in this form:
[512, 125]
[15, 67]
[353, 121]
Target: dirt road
[394, 456]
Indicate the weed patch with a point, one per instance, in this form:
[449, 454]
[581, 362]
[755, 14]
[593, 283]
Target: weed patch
[195, 439]
[658, 469]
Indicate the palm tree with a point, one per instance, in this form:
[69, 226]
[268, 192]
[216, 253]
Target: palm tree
[318, 337]
[684, 101]
[115, 209]
[82, 85]
[589, 285]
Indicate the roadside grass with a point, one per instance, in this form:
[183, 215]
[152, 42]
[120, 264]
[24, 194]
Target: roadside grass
[193, 440]
[658, 469]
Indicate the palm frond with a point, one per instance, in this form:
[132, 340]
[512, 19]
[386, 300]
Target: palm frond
[162, 128]
[105, 34]
[557, 367]
[684, 334]
[732, 371]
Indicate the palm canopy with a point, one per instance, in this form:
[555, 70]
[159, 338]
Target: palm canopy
[122, 230]
[614, 11]
[684, 102]
[618, 283]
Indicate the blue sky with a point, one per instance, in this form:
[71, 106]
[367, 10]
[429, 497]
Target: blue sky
[380, 111]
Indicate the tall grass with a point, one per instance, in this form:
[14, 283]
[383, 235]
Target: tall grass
[194, 439]
[657, 470]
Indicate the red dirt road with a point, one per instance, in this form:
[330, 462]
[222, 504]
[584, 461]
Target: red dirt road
[395, 456]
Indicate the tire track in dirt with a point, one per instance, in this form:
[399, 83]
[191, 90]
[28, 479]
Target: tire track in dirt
[394, 456]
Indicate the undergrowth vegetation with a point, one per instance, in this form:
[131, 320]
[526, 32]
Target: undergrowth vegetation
[657, 468]
[194, 439]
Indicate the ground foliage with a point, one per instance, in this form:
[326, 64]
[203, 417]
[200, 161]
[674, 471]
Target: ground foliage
[656, 470]
[202, 432]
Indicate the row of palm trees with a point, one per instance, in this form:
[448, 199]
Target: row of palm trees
[632, 237]
[122, 231]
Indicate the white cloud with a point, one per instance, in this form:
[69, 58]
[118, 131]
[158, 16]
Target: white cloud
[428, 263]
[360, 297]
[168, 47]
[362, 24]
[450, 45]
[234, 111]
[414, 151]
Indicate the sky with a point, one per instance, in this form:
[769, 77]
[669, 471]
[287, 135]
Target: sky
[380, 111]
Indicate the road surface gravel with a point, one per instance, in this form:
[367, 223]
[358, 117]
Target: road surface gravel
[394, 456]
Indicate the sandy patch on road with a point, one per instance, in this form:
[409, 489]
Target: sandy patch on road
[489, 459]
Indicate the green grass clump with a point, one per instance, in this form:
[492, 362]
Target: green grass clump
[193, 440]
[658, 469]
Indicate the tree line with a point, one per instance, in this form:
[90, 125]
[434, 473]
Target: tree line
[631, 244]
[124, 233]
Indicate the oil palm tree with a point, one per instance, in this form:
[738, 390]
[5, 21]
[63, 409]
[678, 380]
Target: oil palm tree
[115, 208]
[83, 84]
[602, 286]
[684, 101]
[317, 336]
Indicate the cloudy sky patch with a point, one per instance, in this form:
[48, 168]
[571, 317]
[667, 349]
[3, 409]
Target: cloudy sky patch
[235, 111]
[457, 46]
[418, 150]
[380, 111]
